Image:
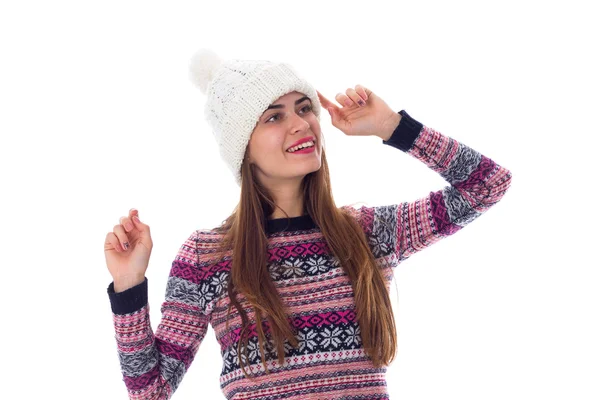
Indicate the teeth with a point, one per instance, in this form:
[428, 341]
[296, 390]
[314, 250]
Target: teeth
[303, 145]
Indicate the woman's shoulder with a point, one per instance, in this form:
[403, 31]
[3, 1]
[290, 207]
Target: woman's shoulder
[208, 243]
[208, 232]
[354, 209]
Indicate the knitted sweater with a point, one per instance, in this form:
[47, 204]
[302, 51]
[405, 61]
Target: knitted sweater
[330, 362]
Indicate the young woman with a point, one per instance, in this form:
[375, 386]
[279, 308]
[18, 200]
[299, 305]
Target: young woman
[315, 275]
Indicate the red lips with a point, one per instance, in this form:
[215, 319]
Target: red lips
[303, 140]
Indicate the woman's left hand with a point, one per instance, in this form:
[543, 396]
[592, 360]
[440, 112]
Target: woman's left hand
[363, 113]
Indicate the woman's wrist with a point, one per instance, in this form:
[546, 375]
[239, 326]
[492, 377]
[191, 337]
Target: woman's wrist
[123, 283]
[390, 126]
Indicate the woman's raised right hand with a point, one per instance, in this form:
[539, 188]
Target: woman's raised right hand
[127, 250]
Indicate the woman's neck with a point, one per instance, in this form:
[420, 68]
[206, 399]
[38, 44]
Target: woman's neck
[294, 207]
[288, 195]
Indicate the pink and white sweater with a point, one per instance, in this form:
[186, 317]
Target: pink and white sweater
[330, 362]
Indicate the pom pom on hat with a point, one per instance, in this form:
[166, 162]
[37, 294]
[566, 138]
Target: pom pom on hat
[203, 66]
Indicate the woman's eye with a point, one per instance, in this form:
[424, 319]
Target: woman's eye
[273, 116]
[306, 108]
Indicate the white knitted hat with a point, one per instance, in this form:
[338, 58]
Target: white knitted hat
[238, 93]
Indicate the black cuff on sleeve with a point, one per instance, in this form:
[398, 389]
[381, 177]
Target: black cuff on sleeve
[129, 300]
[405, 133]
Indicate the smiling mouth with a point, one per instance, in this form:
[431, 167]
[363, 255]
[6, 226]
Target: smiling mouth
[302, 147]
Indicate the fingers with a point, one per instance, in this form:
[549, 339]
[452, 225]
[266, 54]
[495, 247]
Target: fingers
[127, 222]
[324, 101]
[353, 96]
[135, 217]
[363, 92]
[122, 243]
[329, 106]
[125, 225]
[344, 100]
[113, 241]
[139, 225]
[118, 238]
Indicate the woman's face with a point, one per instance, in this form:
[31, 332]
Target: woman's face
[289, 119]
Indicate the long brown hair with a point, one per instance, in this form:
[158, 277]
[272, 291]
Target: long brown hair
[245, 235]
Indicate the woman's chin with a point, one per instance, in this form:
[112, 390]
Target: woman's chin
[302, 172]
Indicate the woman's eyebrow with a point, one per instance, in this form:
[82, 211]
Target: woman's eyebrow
[300, 100]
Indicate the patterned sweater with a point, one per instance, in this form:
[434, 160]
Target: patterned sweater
[330, 362]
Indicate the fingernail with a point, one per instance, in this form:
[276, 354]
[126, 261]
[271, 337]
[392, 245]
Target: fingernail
[126, 245]
[136, 219]
[361, 102]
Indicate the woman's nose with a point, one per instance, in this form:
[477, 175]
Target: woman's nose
[299, 123]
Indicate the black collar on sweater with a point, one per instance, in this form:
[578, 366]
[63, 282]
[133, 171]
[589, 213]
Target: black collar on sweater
[303, 222]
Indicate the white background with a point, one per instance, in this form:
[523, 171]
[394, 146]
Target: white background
[97, 115]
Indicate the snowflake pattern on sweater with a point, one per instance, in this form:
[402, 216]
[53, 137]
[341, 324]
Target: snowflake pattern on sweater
[329, 362]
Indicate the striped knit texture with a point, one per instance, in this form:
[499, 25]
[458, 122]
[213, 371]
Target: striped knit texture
[330, 362]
